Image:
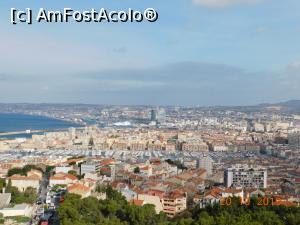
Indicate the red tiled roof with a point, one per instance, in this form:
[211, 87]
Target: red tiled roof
[19, 177]
[137, 202]
[145, 168]
[232, 190]
[63, 176]
[215, 192]
[107, 162]
[175, 194]
[284, 203]
[105, 169]
[154, 193]
[80, 187]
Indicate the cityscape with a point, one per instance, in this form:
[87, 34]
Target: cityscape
[175, 159]
[156, 112]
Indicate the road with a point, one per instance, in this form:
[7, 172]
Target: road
[43, 188]
[54, 219]
[21, 132]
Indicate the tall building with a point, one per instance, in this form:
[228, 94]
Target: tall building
[174, 203]
[294, 139]
[89, 167]
[245, 176]
[206, 162]
[113, 172]
[153, 115]
[72, 133]
[161, 115]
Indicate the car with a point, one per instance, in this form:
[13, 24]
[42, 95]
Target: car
[48, 200]
[52, 211]
[40, 211]
[62, 199]
[63, 192]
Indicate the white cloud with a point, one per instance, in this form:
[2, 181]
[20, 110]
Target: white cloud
[294, 65]
[40, 55]
[224, 3]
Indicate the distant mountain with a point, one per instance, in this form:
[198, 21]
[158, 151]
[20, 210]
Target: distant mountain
[292, 106]
[291, 103]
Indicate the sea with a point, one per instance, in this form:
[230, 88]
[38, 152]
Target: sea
[20, 122]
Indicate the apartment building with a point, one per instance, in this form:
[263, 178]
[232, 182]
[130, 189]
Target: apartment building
[174, 202]
[24, 182]
[90, 167]
[137, 146]
[216, 195]
[195, 146]
[242, 175]
[206, 162]
[62, 179]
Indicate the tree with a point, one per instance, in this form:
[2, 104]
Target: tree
[72, 172]
[115, 210]
[1, 219]
[101, 189]
[2, 183]
[14, 171]
[205, 219]
[27, 168]
[49, 168]
[267, 217]
[176, 163]
[8, 187]
[137, 170]
[22, 171]
[28, 196]
[72, 163]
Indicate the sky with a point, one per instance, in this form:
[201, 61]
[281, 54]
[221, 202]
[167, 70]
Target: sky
[199, 52]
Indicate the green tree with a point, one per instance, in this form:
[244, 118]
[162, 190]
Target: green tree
[49, 169]
[72, 172]
[2, 183]
[137, 170]
[22, 171]
[28, 196]
[115, 210]
[1, 219]
[205, 219]
[14, 171]
[72, 163]
[267, 217]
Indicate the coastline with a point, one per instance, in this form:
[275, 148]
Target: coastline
[22, 122]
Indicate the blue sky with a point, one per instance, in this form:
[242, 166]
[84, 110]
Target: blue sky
[199, 52]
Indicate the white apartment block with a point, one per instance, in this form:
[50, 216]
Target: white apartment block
[243, 176]
[90, 167]
[206, 162]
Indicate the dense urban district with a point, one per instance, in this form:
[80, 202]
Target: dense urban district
[153, 165]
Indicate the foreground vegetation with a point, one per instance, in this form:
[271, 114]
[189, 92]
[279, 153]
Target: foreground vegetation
[29, 196]
[116, 211]
[15, 219]
[22, 171]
